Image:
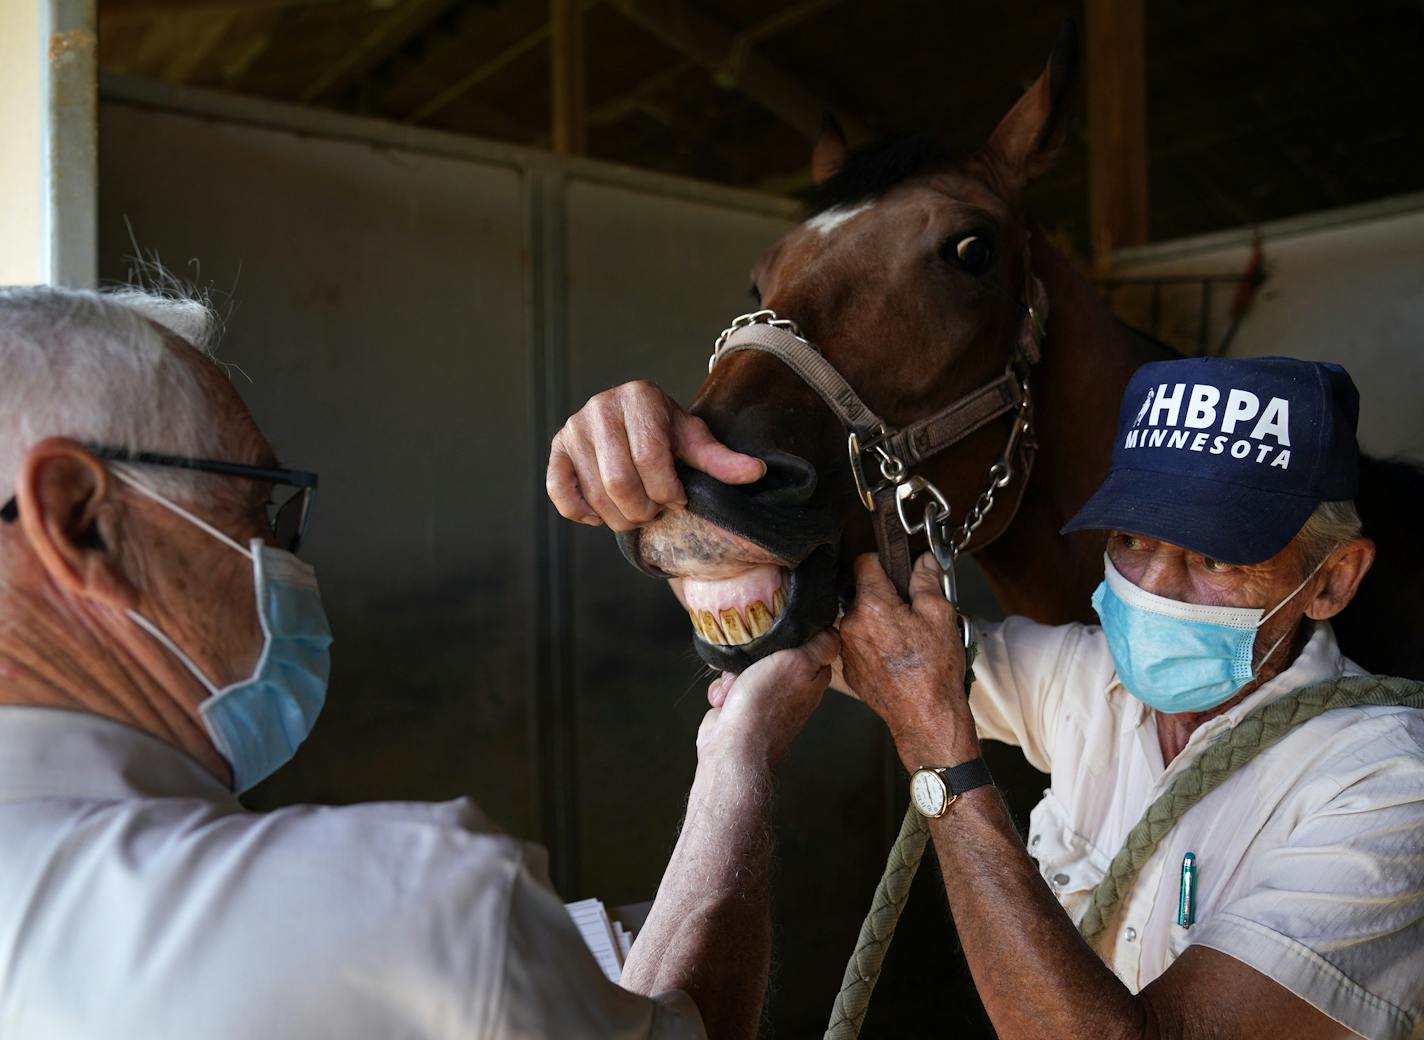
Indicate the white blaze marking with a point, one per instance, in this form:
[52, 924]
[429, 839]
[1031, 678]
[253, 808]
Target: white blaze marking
[825, 223]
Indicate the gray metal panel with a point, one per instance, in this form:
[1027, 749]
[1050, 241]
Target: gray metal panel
[380, 313]
[238, 110]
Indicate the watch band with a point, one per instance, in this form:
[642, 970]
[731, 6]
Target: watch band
[965, 776]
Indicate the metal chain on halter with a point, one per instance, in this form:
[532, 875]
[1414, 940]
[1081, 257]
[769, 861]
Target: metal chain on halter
[741, 321]
[946, 545]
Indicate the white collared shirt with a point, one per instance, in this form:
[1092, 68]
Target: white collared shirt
[140, 901]
[1310, 858]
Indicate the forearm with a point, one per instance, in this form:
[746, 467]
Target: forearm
[1034, 973]
[709, 932]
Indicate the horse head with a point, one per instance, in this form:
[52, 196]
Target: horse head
[910, 278]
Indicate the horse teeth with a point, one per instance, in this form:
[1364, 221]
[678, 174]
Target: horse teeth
[728, 626]
[759, 619]
[734, 628]
[711, 631]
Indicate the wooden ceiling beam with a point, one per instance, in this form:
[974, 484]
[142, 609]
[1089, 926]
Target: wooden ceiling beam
[401, 26]
[1116, 66]
[637, 98]
[568, 90]
[733, 63]
[483, 71]
[251, 38]
[124, 8]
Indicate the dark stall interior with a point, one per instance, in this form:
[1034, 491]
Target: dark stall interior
[447, 223]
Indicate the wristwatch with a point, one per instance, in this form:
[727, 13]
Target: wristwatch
[933, 789]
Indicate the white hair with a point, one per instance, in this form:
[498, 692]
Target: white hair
[95, 366]
[1325, 530]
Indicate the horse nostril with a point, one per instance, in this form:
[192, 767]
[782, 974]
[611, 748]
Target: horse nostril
[789, 481]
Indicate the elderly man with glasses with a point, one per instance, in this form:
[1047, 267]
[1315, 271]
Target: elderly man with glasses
[163, 648]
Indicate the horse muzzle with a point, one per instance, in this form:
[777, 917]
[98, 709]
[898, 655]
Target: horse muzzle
[757, 564]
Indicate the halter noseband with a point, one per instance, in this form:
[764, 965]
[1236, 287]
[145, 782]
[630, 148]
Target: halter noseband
[892, 499]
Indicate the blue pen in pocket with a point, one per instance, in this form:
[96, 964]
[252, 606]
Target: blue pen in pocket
[1187, 895]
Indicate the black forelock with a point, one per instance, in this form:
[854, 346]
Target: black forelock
[871, 171]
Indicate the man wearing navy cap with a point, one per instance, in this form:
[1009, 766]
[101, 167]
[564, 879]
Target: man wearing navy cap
[1268, 885]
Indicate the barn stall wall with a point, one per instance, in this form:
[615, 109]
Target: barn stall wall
[1343, 285]
[413, 314]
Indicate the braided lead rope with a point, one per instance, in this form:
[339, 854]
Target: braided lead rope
[1228, 753]
[863, 970]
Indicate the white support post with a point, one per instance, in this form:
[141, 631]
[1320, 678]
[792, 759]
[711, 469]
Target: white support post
[70, 38]
[49, 54]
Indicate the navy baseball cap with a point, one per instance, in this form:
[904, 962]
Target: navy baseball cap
[1228, 457]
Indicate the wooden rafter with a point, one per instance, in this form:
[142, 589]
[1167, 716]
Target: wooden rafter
[452, 92]
[124, 8]
[734, 63]
[567, 88]
[400, 27]
[1116, 67]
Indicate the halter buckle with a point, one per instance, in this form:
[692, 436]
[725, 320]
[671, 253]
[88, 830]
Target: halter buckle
[892, 468]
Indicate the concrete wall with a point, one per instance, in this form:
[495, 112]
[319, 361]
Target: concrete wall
[1345, 286]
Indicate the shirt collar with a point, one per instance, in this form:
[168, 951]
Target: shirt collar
[54, 753]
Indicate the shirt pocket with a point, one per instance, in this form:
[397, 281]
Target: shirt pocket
[1070, 863]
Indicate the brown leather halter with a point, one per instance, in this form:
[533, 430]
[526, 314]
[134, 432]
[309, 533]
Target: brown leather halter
[892, 499]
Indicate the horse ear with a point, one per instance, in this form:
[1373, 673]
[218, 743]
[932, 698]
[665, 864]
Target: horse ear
[829, 153]
[1026, 141]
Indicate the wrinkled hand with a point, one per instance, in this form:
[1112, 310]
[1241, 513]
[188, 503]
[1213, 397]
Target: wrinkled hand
[906, 662]
[756, 715]
[613, 461]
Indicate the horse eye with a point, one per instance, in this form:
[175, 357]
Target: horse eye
[974, 253]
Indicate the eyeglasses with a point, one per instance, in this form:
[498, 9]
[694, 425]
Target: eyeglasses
[288, 513]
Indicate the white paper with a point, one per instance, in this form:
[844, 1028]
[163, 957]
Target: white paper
[624, 939]
[591, 918]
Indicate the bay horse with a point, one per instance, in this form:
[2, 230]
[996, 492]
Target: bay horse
[911, 275]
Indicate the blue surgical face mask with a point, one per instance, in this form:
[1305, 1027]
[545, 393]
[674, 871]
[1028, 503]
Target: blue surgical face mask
[1180, 657]
[258, 723]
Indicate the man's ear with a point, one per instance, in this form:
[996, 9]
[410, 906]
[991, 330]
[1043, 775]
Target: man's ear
[68, 515]
[829, 153]
[1026, 141]
[1344, 570]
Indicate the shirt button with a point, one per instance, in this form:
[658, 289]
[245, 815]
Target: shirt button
[1130, 935]
[1061, 879]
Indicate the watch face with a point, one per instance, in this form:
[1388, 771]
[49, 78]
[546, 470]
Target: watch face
[928, 792]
